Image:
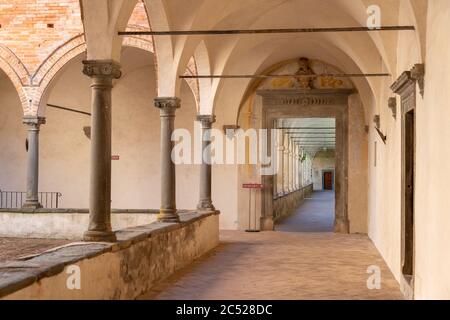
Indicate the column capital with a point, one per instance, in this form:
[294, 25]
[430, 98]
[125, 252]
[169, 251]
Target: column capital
[167, 105]
[33, 121]
[206, 119]
[167, 102]
[102, 69]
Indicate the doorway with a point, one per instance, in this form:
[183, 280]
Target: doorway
[328, 180]
[306, 156]
[311, 103]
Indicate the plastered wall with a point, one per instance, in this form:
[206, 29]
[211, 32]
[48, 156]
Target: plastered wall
[13, 133]
[322, 161]
[432, 221]
[432, 260]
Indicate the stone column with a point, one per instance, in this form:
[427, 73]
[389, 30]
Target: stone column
[102, 73]
[168, 210]
[297, 167]
[294, 167]
[280, 164]
[205, 201]
[308, 172]
[304, 164]
[286, 164]
[33, 123]
[302, 169]
[301, 172]
[291, 166]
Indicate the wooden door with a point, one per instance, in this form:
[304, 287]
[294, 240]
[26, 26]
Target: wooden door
[328, 180]
[408, 219]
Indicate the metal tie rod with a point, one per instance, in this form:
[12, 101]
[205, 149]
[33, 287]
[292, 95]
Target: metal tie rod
[68, 109]
[266, 76]
[264, 31]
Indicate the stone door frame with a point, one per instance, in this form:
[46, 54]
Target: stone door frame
[309, 103]
[406, 87]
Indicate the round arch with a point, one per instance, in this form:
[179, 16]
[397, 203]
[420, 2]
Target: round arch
[15, 70]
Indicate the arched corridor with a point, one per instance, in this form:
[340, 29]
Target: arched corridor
[315, 215]
[257, 149]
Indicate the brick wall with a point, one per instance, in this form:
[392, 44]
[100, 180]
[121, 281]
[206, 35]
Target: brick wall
[38, 36]
[33, 29]
[139, 17]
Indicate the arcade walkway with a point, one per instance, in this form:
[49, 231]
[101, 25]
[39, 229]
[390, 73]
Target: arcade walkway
[301, 260]
[315, 215]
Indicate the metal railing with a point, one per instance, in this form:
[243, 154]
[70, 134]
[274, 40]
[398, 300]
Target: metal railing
[16, 199]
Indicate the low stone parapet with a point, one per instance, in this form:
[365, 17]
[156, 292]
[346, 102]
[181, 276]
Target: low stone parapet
[285, 205]
[140, 258]
[65, 223]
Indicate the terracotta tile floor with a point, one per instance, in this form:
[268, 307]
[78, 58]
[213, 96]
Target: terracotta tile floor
[285, 264]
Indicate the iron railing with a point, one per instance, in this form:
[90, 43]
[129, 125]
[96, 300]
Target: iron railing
[16, 199]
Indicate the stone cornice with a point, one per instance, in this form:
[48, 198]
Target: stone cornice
[402, 83]
[102, 68]
[304, 97]
[408, 79]
[302, 92]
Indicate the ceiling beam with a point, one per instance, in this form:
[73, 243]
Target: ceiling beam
[264, 31]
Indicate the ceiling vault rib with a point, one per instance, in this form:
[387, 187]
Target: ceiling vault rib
[265, 31]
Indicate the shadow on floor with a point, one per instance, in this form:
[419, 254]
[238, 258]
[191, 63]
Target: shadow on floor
[316, 214]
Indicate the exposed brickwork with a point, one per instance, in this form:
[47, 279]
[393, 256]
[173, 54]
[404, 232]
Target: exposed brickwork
[193, 83]
[139, 17]
[27, 27]
[38, 37]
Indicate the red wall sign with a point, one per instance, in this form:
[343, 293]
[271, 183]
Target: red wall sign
[253, 186]
[115, 157]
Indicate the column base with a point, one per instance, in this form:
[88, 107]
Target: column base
[170, 216]
[341, 225]
[206, 206]
[99, 236]
[31, 204]
[267, 224]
